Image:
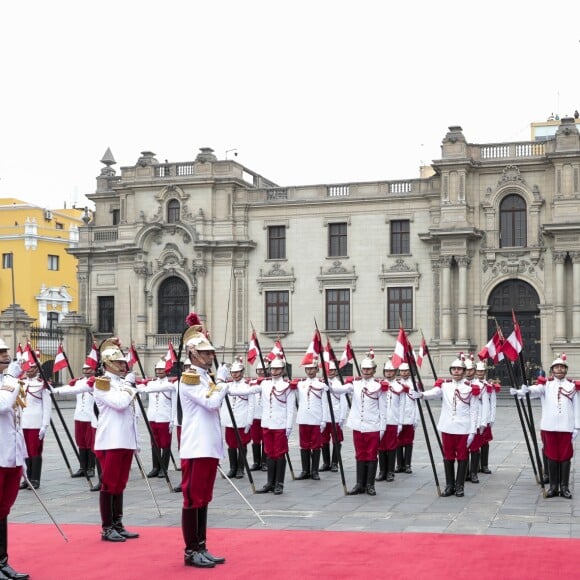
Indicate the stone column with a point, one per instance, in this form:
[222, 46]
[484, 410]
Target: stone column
[463, 263]
[559, 304]
[140, 314]
[446, 326]
[15, 327]
[575, 256]
[200, 274]
[74, 327]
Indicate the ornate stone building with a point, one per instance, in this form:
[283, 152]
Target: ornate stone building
[487, 228]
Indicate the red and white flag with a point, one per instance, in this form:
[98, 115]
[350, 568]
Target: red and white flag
[253, 351]
[493, 349]
[131, 357]
[59, 360]
[314, 349]
[347, 356]
[27, 359]
[276, 352]
[402, 346]
[422, 351]
[327, 355]
[92, 359]
[170, 357]
[514, 343]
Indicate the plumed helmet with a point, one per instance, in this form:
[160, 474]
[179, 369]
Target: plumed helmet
[404, 366]
[369, 361]
[313, 364]
[160, 365]
[237, 365]
[560, 360]
[278, 363]
[469, 360]
[3, 345]
[194, 338]
[331, 366]
[481, 366]
[86, 366]
[388, 366]
[457, 363]
[110, 350]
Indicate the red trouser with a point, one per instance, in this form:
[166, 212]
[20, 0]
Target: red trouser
[197, 481]
[9, 484]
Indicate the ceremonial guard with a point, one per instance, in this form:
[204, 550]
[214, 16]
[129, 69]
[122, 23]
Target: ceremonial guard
[12, 450]
[311, 419]
[560, 423]
[457, 423]
[367, 422]
[488, 406]
[116, 438]
[394, 393]
[278, 404]
[242, 400]
[409, 421]
[84, 416]
[340, 409]
[258, 453]
[35, 422]
[202, 446]
[162, 394]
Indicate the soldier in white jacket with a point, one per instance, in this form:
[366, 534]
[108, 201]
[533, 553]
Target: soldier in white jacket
[116, 439]
[457, 423]
[35, 422]
[560, 423]
[409, 421]
[256, 434]
[487, 414]
[12, 450]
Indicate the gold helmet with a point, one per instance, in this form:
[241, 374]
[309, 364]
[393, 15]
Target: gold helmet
[194, 338]
[110, 350]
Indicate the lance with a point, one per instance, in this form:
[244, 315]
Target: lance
[332, 417]
[140, 464]
[409, 355]
[59, 443]
[154, 444]
[356, 364]
[340, 377]
[59, 412]
[266, 373]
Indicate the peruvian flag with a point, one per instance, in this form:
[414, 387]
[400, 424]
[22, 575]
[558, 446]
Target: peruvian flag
[314, 349]
[422, 351]
[170, 357]
[276, 352]
[59, 360]
[514, 343]
[19, 354]
[328, 354]
[493, 349]
[402, 346]
[253, 351]
[347, 356]
[27, 359]
[132, 357]
[92, 359]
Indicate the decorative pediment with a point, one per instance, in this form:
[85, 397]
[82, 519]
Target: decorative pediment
[337, 275]
[170, 259]
[511, 173]
[276, 279]
[399, 274]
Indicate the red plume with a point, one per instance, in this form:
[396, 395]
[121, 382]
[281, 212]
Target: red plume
[192, 319]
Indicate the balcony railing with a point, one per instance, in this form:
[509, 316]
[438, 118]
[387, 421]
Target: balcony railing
[162, 340]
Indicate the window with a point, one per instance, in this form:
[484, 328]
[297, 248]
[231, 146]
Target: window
[52, 262]
[173, 211]
[513, 223]
[400, 307]
[337, 240]
[276, 243]
[116, 216]
[400, 234]
[277, 311]
[7, 260]
[59, 226]
[106, 313]
[172, 305]
[52, 320]
[338, 309]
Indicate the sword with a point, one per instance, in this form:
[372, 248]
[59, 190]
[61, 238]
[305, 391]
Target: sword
[138, 459]
[240, 494]
[44, 506]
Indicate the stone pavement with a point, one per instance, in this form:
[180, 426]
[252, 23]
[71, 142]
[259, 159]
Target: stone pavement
[507, 502]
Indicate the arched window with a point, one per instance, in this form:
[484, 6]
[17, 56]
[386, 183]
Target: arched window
[172, 306]
[173, 211]
[512, 222]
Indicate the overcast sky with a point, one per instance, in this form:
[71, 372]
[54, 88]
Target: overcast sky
[308, 92]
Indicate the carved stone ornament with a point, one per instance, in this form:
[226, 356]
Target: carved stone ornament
[400, 266]
[276, 270]
[511, 173]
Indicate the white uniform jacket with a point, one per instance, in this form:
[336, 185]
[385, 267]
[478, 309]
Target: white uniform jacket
[257, 399]
[278, 404]
[242, 400]
[367, 413]
[83, 389]
[391, 402]
[409, 410]
[459, 407]
[36, 414]
[12, 446]
[117, 422]
[339, 403]
[201, 430]
[311, 408]
[161, 393]
[560, 404]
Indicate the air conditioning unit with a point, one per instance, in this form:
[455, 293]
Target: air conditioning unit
[47, 214]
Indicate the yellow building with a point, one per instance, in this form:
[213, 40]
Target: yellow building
[34, 241]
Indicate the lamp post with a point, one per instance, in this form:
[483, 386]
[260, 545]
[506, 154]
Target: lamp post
[13, 304]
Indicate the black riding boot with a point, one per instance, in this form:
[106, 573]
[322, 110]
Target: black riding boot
[371, 475]
[189, 529]
[474, 466]
[280, 472]
[382, 466]
[391, 458]
[233, 457]
[264, 460]
[361, 478]
[241, 462]
[97, 486]
[257, 454]
[565, 480]
[400, 460]
[325, 457]
[485, 459]
[449, 478]
[155, 462]
[91, 461]
[35, 471]
[546, 470]
[6, 571]
[460, 481]
[271, 467]
[165, 457]
[118, 518]
[305, 459]
[554, 471]
[334, 461]
[202, 533]
[315, 463]
[109, 533]
[408, 454]
[83, 462]
[23, 484]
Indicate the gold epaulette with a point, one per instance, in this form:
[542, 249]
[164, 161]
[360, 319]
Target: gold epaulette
[190, 377]
[103, 384]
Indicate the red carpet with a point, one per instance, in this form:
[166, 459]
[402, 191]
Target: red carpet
[40, 550]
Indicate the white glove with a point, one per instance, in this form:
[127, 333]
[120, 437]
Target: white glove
[525, 390]
[247, 428]
[399, 429]
[42, 432]
[14, 369]
[575, 433]
[470, 439]
[322, 427]
[514, 392]
[288, 432]
[57, 390]
[415, 394]
[170, 427]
